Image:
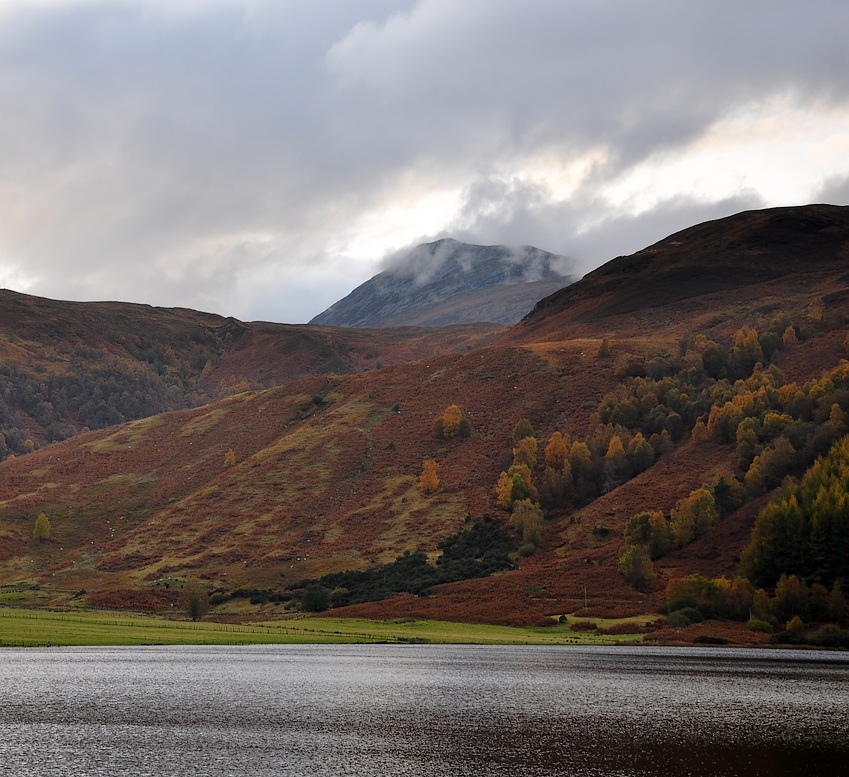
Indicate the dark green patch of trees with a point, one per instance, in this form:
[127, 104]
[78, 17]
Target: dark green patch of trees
[482, 549]
[805, 530]
[90, 388]
[785, 614]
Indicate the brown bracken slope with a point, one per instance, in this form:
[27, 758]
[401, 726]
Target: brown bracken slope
[68, 366]
[332, 484]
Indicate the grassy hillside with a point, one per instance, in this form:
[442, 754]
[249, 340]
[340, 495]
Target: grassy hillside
[325, 471]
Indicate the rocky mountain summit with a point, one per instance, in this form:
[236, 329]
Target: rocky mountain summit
[449, 282]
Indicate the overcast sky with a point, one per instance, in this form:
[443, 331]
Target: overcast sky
[260, 158]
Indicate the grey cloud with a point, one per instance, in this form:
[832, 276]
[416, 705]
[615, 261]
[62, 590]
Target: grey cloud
[635, 77]
[835, 191]
[583, 228]
[219, 154]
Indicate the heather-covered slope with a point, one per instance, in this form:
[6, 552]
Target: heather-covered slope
[68, 366]
[730, 268]
[326, 475]
[326, 469]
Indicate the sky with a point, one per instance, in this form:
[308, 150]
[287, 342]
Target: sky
[262, 158]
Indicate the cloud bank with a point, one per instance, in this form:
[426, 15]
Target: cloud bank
[259, 158]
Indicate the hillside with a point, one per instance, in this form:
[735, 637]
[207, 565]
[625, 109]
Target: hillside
[69, 366]
[326, 468]
[730, 268]
[448, 282]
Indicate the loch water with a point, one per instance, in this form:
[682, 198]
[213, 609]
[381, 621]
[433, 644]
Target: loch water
[386, 710]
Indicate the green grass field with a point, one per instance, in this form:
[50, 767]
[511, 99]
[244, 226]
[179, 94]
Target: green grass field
[31, 628]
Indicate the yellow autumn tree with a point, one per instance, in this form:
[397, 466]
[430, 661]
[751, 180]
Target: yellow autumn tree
[789, 339]
[429, 480]
[504, 491]
[528, 521]
[525, 452]
[616, 468]
[640, 453]
[41, 531]
[580, 458]
[230, 458]
[515, 485]
[693, 516]
[556, 451]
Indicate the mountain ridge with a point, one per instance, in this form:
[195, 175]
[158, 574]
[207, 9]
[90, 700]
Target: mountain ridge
[449, 282]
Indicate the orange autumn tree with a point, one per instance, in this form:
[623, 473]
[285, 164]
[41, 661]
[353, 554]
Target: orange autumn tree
[556, 451]
[452, 423]
[515, 485]
[429, 480]
[451, 419]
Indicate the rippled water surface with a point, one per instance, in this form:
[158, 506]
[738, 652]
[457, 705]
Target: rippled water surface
[422, 710]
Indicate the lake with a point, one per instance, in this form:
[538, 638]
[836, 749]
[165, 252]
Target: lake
[422, 710]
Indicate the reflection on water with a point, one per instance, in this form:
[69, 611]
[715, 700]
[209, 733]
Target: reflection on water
[422, 710]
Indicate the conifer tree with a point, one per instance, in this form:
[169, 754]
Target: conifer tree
[522, 429]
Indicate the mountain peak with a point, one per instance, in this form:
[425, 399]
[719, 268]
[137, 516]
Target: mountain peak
[450, 282]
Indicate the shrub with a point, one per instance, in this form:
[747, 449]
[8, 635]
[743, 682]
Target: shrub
[684, 617]
[316, 598]
[831, 636]
[758, 625]
[681, 603]
[583, 626]
[709, 639]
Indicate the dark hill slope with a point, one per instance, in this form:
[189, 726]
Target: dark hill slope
[67, 366]
[687, 279]
[448, 282]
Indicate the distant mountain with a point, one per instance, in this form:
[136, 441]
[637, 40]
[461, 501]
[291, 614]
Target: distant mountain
[448, 282]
